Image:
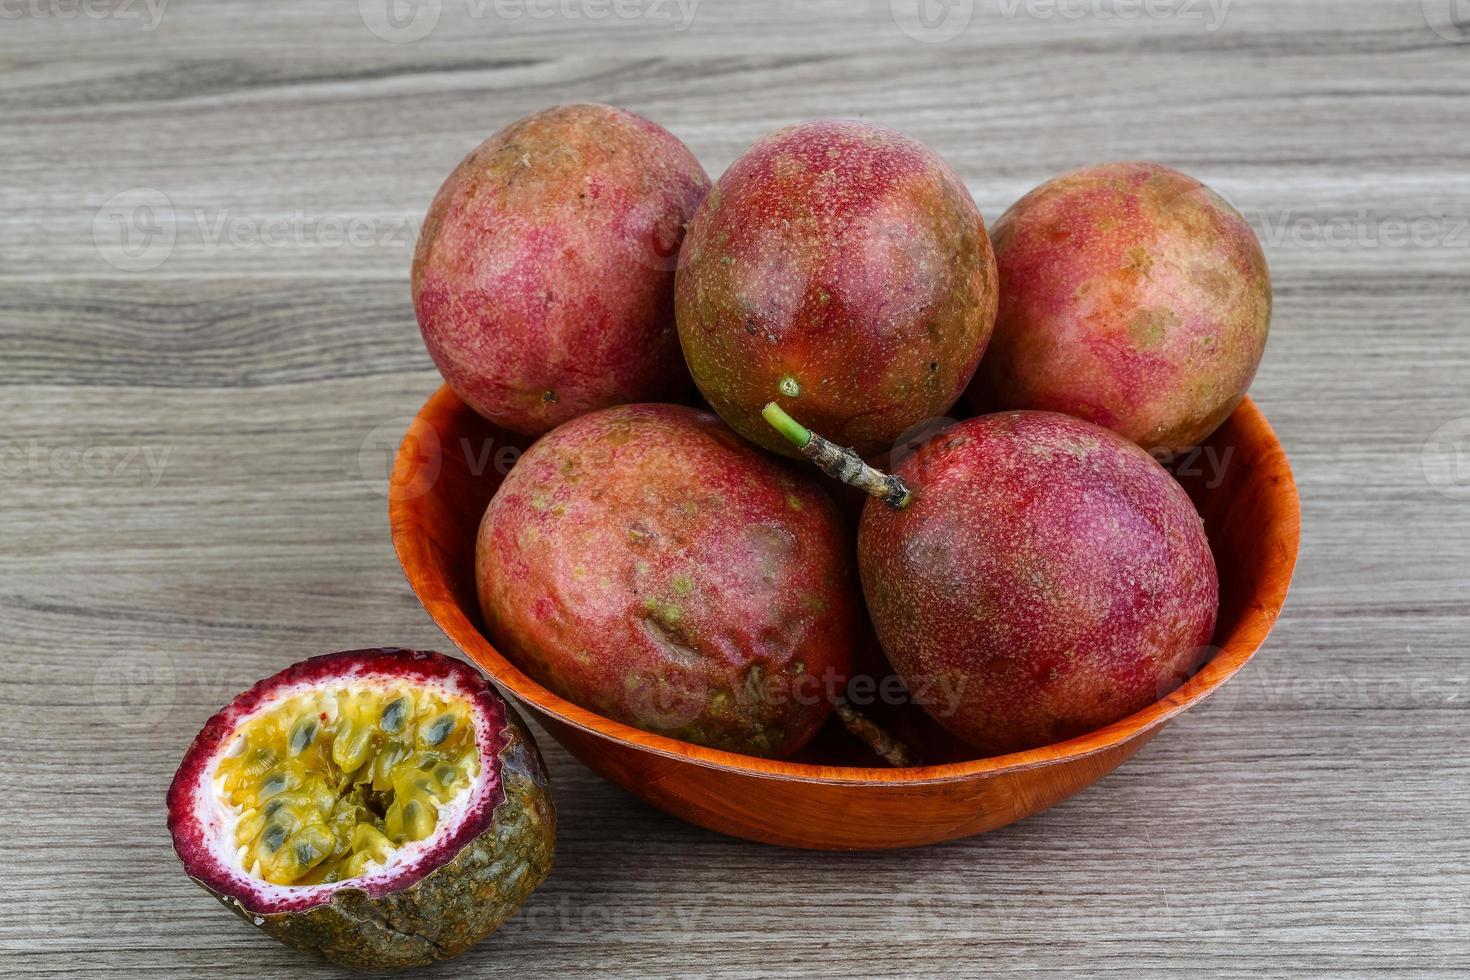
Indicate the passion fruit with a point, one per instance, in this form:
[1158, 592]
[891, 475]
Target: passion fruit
[648, 564]
[543, 278]
[1132, 296]
[842, 270]
[383, 808]
[1047, 575]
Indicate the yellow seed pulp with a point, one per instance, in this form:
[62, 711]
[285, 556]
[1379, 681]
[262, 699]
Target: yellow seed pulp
[329, 782]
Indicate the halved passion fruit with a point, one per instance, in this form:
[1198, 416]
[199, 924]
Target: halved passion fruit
[384, 808]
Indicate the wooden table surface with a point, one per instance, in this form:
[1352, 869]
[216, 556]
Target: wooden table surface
[207, 350]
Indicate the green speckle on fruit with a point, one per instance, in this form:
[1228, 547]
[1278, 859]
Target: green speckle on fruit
[790, 387]
[1148, 328]
[1139, 260]
[664, 613]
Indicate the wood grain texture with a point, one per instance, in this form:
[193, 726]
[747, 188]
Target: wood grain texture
[194, 456]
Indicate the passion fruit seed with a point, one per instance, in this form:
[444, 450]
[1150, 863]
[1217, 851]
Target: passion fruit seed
[328, 785]
[302, 735]
[438, 730]
[394, 715]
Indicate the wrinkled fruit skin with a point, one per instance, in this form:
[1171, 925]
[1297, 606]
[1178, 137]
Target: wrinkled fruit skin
[846, 259]
[1132, 296]
[649, 565]
[1049, 578]
[437, 916]
[543, 279]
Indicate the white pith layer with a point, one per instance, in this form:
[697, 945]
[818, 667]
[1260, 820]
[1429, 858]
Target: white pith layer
[220, 818]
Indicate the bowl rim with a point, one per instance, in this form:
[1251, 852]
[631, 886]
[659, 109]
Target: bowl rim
[1258, 615]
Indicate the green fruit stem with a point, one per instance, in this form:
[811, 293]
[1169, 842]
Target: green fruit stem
[884, 745]
[839, 462]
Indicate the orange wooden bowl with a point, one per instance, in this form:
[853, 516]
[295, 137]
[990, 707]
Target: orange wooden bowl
[450, 464]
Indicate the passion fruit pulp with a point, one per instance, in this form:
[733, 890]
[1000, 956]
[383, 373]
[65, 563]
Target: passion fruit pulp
[384, 808]
[331, 781]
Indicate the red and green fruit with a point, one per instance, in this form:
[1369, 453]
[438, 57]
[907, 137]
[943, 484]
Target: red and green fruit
[1132, 296]
[1050, 576]
[543, 279]
[646, 563]
[383, 808]
[842, 270]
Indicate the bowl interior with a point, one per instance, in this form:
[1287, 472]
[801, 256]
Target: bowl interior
[451, 462]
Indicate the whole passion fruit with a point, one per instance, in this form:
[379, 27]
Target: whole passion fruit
[383, 808]
[648, 564]
[1036, 576]
[544, 275]
[1132, 296]
[842, 270]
